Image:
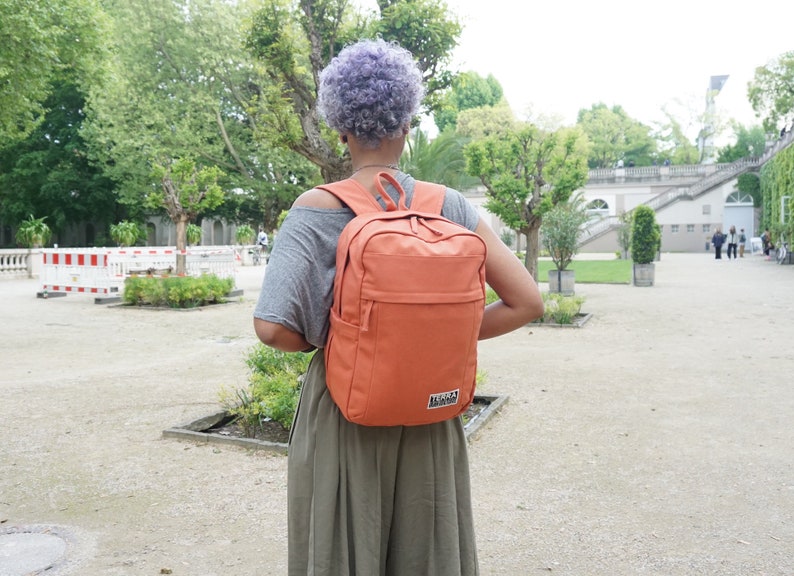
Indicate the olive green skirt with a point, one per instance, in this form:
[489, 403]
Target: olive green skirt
[376, 501]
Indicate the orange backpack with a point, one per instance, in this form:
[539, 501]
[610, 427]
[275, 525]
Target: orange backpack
[409, 296]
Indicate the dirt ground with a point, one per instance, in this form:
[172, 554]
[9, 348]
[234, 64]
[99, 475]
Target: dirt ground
[656, 440]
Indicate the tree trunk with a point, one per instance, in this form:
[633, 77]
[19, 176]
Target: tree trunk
[532, 235]
[181, 237]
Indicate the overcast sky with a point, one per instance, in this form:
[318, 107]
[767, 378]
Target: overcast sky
[559, 56]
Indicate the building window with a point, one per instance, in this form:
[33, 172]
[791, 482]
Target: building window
[674, 228]
[706, 209]
[690, 227]
[597, 207]
[706, 227]
[739, 197]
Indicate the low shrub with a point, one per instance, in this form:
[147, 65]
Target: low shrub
[560, 309]
[273, 390]
[176, 291]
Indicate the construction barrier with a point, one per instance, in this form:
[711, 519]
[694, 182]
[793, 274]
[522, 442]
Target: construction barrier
[104, 270]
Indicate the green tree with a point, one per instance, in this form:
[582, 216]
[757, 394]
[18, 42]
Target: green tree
[469, 90]
[181, 85]
[478, 123]
[771, 91]
[561, 229]
[185, 192]
[749, 142]
[39, 43]
[624, 233]
[615, 136]
[673, 142]
[750, 183]
[526, 172]
[293, 44]
[49, 172]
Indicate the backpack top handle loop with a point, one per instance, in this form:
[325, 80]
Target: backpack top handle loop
[390, 206]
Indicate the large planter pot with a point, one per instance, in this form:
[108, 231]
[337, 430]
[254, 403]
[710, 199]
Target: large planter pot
[561, 282]
[643, 274]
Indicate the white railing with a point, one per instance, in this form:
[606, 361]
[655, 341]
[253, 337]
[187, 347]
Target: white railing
[19, 262]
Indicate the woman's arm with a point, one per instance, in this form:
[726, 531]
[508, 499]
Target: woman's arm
[277, 335]
[280, 337]
[520, 300]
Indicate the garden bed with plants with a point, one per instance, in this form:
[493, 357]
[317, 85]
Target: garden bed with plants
[559, 310]
[260, 416]
[176, 291]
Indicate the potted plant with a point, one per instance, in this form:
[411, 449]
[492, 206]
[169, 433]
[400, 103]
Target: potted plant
[644, 245]
[193, 234]
[33, 233]
[245, 235]
[560, 230]
[125, 233]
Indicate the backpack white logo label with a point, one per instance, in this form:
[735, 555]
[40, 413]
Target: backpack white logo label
[443, 399]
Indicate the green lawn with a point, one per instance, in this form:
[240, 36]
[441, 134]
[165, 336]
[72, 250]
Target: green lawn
[592, 271]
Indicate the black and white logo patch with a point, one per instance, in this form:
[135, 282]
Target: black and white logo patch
[443, 399]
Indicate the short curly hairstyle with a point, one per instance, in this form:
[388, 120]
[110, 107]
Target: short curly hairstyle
[372, 89]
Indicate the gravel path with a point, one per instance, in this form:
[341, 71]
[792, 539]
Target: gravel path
[656, 440]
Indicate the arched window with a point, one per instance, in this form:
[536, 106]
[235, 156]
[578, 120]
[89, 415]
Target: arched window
[597, 207]
[739, 197]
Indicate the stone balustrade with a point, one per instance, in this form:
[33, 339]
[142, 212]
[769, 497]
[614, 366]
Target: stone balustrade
[19, 262]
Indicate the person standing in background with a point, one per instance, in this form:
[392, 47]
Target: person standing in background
[733, 242]
[742, 242]
[717, 240]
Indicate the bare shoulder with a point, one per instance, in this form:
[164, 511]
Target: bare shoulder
[316, 198]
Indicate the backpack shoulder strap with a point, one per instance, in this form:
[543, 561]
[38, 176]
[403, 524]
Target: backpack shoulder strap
[353, 195]
[428, 197]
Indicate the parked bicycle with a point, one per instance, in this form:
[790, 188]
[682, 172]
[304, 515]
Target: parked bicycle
[782, 251]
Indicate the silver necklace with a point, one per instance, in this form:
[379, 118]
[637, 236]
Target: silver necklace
[390, 166]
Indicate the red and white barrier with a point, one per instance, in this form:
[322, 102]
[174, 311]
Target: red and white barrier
[103, 270]
[76, 270]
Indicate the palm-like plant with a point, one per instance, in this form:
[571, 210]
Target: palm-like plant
[245, 234]
[440, 160]
[33, 232]
[193, 234]
[125, 233]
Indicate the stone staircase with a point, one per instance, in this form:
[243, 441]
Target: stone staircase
[674, 194]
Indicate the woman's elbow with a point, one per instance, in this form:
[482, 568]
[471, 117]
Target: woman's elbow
[267, 332]
[278, 337]
[533, 310]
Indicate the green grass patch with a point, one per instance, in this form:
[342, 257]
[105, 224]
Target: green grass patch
[592, 271]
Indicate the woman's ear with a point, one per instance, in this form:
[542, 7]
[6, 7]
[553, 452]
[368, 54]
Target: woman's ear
[343, 138]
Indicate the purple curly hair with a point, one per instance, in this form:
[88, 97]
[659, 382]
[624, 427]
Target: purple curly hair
[371, 89]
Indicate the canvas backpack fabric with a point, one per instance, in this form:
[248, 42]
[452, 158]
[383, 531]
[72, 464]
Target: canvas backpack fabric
[409, 296]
